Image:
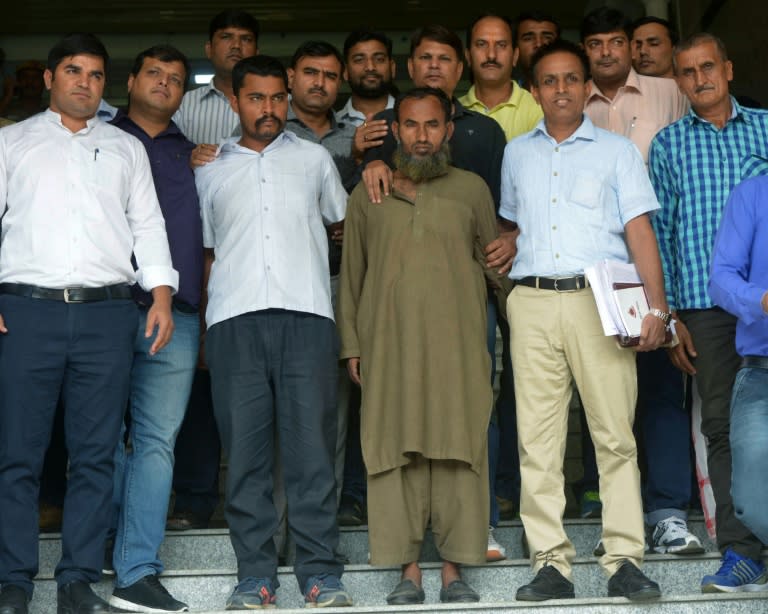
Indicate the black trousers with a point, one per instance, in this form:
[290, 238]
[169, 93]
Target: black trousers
[714, 337]
[273, 377]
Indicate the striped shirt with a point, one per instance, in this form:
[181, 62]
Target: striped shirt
[205, 115]
[694, 166]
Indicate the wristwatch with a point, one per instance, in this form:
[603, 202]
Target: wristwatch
[662, 315]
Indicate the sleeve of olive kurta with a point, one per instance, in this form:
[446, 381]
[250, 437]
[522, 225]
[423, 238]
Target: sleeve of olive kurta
[354, 264]
[487, 231]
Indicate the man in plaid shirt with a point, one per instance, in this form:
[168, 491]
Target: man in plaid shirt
[694, 164]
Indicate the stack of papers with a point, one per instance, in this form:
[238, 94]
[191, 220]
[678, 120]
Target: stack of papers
[620, 297]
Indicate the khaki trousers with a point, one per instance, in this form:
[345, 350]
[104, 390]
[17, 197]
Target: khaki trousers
[402, 500]
[557, 337]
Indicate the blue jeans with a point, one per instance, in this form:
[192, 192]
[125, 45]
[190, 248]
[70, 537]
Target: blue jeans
[664, 436]
[749, 449]
[159, 392]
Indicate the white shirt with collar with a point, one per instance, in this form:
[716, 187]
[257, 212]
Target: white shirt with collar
[75, 206]
[205, 115]
[264, 215]
[351, 115]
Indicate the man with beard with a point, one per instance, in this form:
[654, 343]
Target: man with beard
[412, 269]
[369, 71]
[272, 346]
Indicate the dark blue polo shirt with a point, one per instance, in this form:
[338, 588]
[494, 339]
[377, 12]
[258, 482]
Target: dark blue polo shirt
[174, 180]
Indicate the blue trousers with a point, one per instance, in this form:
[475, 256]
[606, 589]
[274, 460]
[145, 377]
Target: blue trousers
[749, 450]
[84, 352]
[160, 386]
[665, 437]
[273, 378]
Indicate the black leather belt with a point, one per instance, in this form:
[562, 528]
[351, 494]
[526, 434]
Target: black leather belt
[68, 295]
[560, 284]
[754, 362]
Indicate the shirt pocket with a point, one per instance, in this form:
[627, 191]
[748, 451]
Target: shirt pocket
[586, 191]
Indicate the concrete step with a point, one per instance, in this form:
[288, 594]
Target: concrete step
[207, 589]
[211, 548]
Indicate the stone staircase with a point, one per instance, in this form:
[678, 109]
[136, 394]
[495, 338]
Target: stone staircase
[200, 570]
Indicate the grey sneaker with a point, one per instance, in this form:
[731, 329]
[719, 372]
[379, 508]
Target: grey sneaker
[671, 536]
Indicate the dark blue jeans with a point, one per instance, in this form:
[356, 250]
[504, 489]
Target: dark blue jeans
[273, 378]
[664, 432]
[83, 351]
[197, 453]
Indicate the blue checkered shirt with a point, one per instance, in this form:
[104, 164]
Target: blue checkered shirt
[694, 166]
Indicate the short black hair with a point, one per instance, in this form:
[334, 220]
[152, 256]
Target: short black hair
[259, 65]
[76, 43]
[233, 18]
[363, 35]
[487, 15]
[538, 16]
[316, 49]
[420, 93]
[603, 20]
[644, 21]
[164, 53]
[699, 38]
[438, 34]
[560, 45]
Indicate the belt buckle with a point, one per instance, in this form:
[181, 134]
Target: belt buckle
[67, 299]
[556, 289]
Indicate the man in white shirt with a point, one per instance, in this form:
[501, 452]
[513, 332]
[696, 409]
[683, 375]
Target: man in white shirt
[78, 200]
[272, 347]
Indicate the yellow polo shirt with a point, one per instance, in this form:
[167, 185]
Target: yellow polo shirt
[516, 116]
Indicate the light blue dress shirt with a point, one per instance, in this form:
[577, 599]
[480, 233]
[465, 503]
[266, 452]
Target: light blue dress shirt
[572, 200]
[264, 214]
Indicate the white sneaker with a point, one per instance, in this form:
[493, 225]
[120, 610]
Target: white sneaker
[495, 552]
[671, 536]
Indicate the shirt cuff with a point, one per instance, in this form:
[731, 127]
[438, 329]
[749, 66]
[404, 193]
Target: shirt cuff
[150, 277]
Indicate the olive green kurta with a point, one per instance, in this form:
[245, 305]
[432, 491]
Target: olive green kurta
[412, 306]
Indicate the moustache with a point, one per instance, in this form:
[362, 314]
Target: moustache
[491, 63]
[266, 118]
[703, 88]
[318, 90]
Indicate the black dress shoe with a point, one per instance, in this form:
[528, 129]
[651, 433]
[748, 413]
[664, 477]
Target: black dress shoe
[406, 593]
[13, 600]
[632, 583]
[79, 598]
[549, 583]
